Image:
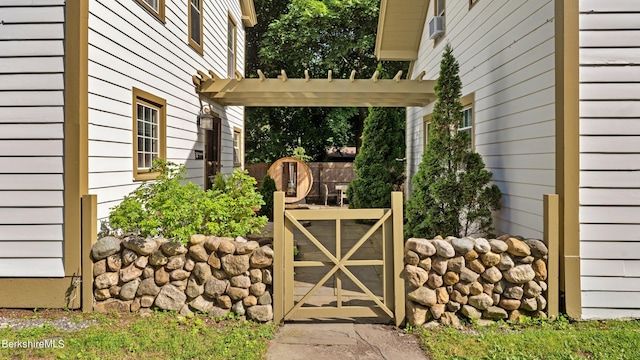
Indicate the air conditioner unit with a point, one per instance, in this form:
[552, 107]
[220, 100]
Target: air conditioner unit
[436, 27]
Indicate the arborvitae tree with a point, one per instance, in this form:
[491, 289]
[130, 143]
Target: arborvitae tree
[267, 189]
[379, 163]
[451, 194]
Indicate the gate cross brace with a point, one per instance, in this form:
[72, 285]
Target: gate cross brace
[339, 264]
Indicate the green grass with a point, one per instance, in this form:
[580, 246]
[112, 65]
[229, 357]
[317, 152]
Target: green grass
[535, 339]
[159, 336]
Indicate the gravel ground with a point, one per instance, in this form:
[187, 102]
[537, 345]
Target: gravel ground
[65, 320]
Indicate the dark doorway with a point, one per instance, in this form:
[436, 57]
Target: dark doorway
[213, 141]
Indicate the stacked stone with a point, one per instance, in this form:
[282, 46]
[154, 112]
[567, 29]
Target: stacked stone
[495, 279]
[213, 275]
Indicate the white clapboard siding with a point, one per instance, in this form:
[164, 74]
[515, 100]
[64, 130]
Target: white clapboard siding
[31, 138]
[626, 268]
[610, 232]
[610, 283]
[602, 126]
[609, 249]
[606, 313]
[598, 196]
[129, 48]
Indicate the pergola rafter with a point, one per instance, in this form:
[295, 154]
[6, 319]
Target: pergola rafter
[307, 92]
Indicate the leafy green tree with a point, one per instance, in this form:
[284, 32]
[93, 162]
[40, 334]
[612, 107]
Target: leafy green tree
[451, 192]
[267, 189]
[379, 164]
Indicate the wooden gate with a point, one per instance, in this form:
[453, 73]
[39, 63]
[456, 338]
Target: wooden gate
[390, 304]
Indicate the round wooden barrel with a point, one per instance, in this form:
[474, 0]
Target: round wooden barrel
[292, 176]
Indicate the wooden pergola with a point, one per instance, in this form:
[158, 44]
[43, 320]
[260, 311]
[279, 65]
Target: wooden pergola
[307, 92]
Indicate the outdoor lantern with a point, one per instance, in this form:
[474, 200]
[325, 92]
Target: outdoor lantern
[205, 121]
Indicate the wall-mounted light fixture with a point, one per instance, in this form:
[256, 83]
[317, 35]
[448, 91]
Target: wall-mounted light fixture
[205, 119]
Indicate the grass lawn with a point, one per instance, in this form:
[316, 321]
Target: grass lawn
[159, 336]
[535, 339]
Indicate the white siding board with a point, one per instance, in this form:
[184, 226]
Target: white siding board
[521, 161]
[540, 177]
[628, 268]
[52, 267]
[590, 196]
[609, 250]
[10, 216]
[603, 91]
[610, 179]
[31, 31]
[11, 15]
[109, 164]
[31, 115]
[610, 127]
[610, 214]
[31, 249]
[605, 313]
[38, 65]
[31, 182]
[31, 165]
[31, 2]
[607, 56]
[31, 131]
[32, 48]
[612, 299]
[610, 232]
[607, 74]
[31, 98]
[610, 144]
[611, 283]
[31, 82]
[31, 198]
[609, 6]
[31, 147]
[624, 38]
[600, 21]
[98, 148]
[33, 232]
[610, 161]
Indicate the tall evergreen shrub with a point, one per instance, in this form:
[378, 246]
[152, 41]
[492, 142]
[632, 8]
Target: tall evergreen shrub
[267, 189]
[379, 165]
[451, 194]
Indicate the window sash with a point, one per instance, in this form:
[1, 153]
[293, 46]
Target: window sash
[196, 21]
[231, 49]
[440, 7]
[236, 147]
[148, 131]
[154, 4]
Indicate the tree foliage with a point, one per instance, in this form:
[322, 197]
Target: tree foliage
[379, 165]
[451, 194]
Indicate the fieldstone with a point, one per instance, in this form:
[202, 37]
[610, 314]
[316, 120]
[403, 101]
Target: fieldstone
[450, 278]
[492, 275]
[481, 246]
[538, 248]
[218, 313]
[513, 292]
[462, 288]
[267, 278]
[540, 314]
[540, 269]
[157, 258]
[487, 288]
[173, 248]
[470, 312]
[189, 264]
[161, 241]
[176, 262]
[198, 253]
[520, 274]
[265, 299]
[147, 300]
[214, 261]
[543, 285]
[434, 281]
[246, 248]
[237, 293]
[476, 266]
[458, 297]
[220, 274]
[262, 257]
[530, 304]
[100, 267]
[251, 301]
[262, 313]
[148, 272]
[135, 305]
[481, 301]
[532, 289]
[439, 265]
[525, 260]
[141, 245]
[422, 247]
[193, 288]
[517, 248]
[456, 264]
[498, 246]
[224, 301]
[180, 284]
[450, 319]
[177, 275]
[101, 294]
[226, 247]
[255, 275]
[202, 271]
[471, 255]
[241, 281]
[148, 287]
[215, 287]
[200, 304]
[453, 306]
[467, 276]
[235, 264]
[443, 248]
[185, 311]
[104, 247]
[462, 246]
[475, 288]
[114, 262]
[106, 280]
[499, 286]
[162, 276]
[211, 243]
[442, 295]
[257, 289]
[506, 262]
[423, 295]
[197, 239]
[437, 310]
[112, 305]
[495, 313]
[128, 256]
[542, 302]
[503, 237]
[425, 263]
[490, 259]
[238, 308]
[415, 276]
[411, 258]
[416, 313]
[130, 272]
[128, 290]
[141, 262]
[170, 298]
[509, 304]
[514, 315]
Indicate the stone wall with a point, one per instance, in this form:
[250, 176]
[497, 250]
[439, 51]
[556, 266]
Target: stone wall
[211, 274]
[493, 279]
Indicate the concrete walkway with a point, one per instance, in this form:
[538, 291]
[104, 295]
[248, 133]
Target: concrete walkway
[341, 338]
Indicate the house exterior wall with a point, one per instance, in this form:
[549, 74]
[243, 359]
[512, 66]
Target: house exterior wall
[506, 55]
[130, 47]
[32, 73]
[609, 158]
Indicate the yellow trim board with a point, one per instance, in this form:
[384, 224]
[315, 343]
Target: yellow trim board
[40, 293]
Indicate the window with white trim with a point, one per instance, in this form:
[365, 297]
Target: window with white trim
[231, 48]
[237, 141]
[466, 124]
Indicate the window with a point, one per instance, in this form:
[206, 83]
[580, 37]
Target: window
[231, 48]
[195, 25]
[439, 8]
[466, 124]
[237, 148]
[439, 24]
[149, 132]
[155, 7]
[426, 132]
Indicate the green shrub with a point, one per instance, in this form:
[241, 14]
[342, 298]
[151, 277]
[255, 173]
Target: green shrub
[267, 189]
[175, 209]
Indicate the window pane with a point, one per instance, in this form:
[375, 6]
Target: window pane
[147, 129]
[148, 160]
[195, 23]
[141, 164]
[147, 145]
[140, 111]
[153, 4]
[140, 144]
[140, 127]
